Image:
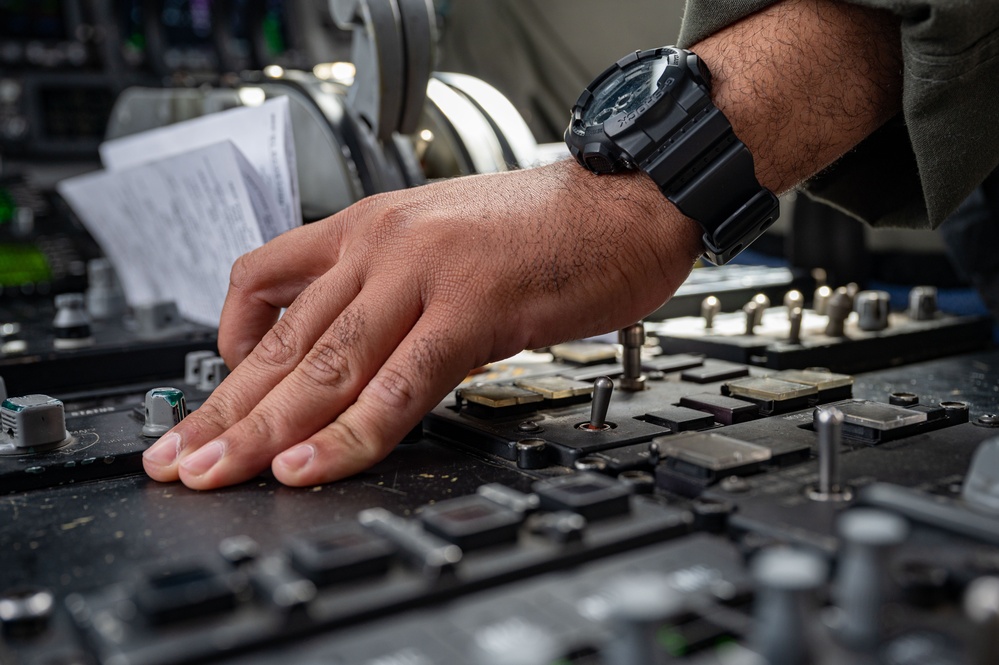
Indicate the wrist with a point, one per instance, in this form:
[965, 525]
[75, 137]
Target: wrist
[630, 202]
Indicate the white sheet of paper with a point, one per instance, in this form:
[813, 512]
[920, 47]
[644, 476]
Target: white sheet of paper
[172, 228]
[262, 133]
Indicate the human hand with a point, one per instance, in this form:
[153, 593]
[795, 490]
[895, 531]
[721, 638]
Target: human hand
[391, 302]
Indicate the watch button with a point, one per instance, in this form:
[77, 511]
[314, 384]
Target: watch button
[598, 159]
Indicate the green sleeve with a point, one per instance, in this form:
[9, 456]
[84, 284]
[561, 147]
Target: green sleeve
[916, 169]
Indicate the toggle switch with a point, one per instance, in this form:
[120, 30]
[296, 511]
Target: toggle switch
[794, 328]
[828, 422]
[793, 298]
[837, 310]
[602, 390]
[752, 311]
[632, 339]
[820, 300]
[710, 307]
[762, 305]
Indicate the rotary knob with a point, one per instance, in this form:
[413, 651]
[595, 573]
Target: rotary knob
[71, 323]
[872, 310]
[34, 422]
[164, 408]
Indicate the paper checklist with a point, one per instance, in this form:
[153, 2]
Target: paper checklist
[176, 206]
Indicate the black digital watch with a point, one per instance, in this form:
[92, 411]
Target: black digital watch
[652, 110]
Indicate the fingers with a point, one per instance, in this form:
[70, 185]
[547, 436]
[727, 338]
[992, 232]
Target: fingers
[264, 281]
[425, 366]
[278, 353]
[325, 382]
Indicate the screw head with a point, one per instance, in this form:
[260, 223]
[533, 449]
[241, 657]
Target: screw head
[988, 420]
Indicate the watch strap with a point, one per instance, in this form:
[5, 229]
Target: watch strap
[708, 173]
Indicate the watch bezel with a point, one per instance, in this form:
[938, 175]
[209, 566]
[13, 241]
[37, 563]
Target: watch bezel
[589, 145]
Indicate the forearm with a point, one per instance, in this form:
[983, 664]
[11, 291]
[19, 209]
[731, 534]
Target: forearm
[804, 81]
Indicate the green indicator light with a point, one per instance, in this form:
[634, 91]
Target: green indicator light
[138, 40]
[672, 641]
[272, 34]
[10, 406]
[7, 206]
[173, 397]
[23, 264]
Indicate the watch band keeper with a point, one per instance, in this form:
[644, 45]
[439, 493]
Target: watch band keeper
[734, 234]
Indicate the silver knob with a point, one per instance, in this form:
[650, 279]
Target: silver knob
[637, 607]
[105, 299]
[861, 582]
[872, 310]
[71, 323]
[922, 303]
[164, 408]
[514, 641]
[981, 604]
[784, 577]
[34, 422]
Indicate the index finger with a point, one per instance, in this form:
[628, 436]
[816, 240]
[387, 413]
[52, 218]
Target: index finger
[269, 278]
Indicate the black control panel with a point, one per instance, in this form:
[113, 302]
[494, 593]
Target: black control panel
[802, 483]
[691, 510]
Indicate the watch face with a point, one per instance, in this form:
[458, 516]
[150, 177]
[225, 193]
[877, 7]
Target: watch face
[623, 91]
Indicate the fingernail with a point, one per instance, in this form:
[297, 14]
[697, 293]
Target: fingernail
[200, 462]
[295, 459]
[164, 452]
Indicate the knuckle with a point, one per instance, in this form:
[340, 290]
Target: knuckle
[280, 345]
[351, 441]
[217, 413]
[393, 388]
[242, 275]
[326, 365]
[260, 425]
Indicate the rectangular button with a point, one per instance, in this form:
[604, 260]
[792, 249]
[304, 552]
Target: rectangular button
[680, 418]
[726, 410]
